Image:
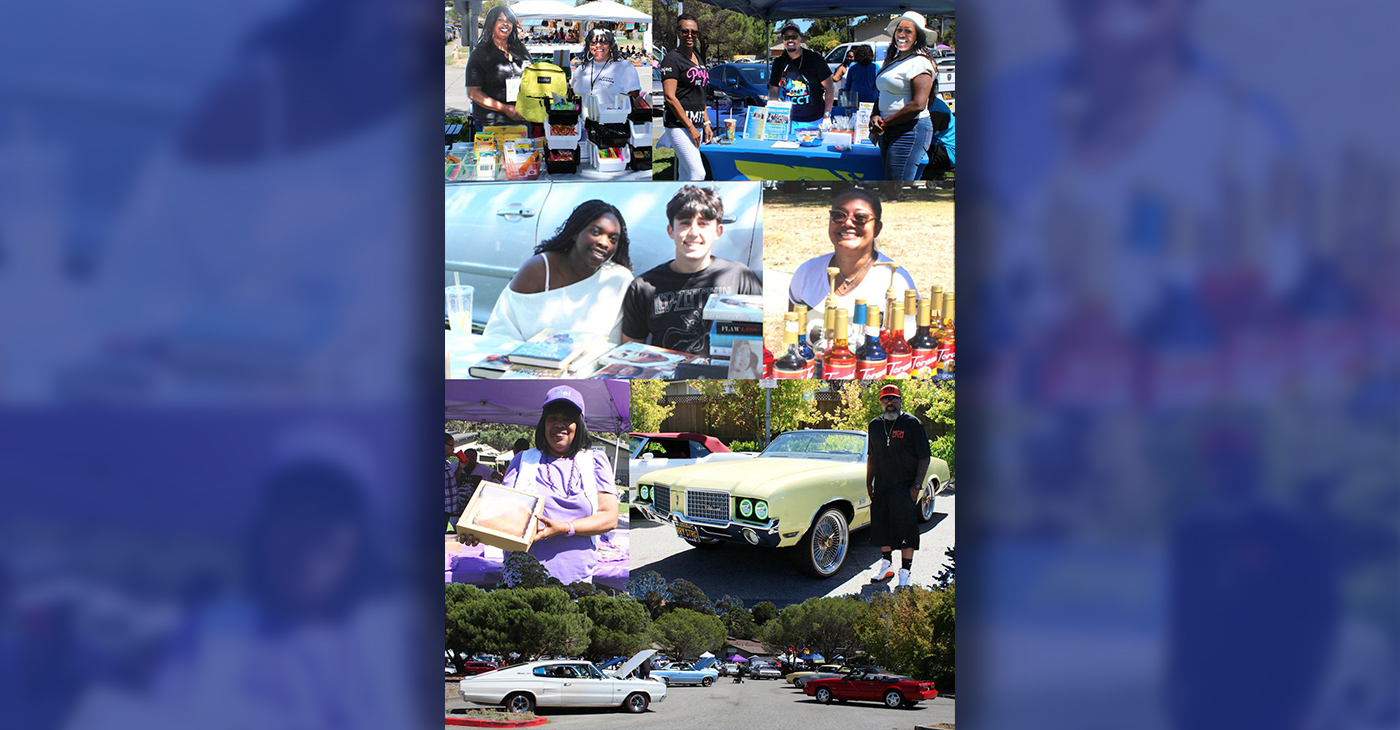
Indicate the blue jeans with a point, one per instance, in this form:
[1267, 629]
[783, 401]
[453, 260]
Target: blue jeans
[905, 149]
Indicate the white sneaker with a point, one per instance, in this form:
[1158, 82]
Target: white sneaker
[883, 572]
[903, 578]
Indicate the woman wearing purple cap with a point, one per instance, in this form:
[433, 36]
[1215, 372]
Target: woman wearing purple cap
[576, 484]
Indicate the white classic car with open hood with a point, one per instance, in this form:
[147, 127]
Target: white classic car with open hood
[564, 683]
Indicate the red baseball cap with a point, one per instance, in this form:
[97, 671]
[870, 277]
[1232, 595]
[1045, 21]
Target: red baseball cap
[889, 390]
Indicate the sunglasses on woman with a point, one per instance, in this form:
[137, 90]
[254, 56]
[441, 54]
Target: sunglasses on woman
[840, 216]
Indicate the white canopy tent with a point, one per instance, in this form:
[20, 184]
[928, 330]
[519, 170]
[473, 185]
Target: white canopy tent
[617, 13]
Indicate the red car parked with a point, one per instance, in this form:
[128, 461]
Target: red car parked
[470, 668]
[892, 689]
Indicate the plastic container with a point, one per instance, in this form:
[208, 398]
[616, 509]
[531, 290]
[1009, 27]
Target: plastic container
[641, 158]
[808, 137]
[640, 114]
[558, 116]
[609, 134]
[610, 159]
[597, 111]
[641, 135]
[557, 141]
[561, 161]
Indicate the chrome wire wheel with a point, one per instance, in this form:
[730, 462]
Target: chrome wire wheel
[830, 540]
[926, 504]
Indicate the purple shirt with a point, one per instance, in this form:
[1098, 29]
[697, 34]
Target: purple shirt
[570, 559]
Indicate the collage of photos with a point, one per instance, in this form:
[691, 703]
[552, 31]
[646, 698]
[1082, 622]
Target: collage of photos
[699, 365]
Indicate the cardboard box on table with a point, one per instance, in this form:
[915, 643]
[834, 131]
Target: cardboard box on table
[492, 500]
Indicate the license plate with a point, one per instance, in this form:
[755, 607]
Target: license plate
[689, 531]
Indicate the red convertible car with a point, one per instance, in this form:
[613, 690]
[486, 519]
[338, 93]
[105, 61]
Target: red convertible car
[892, 689]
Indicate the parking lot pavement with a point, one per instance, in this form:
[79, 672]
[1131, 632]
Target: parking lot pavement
[763, 574]
[772, 704]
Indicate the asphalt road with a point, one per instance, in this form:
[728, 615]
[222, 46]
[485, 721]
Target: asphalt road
[770, 704]
[763, 574]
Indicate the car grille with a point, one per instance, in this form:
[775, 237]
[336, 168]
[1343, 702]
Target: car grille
[707, 506]
[661, 500]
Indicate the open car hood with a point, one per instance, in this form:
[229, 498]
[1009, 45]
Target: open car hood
[631, 664]
[705, 663]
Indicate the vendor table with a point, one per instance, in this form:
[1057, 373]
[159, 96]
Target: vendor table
[747, 159]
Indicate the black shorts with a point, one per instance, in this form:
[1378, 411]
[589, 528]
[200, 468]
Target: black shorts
[894, 519]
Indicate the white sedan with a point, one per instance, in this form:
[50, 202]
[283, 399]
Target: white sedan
[564, 683]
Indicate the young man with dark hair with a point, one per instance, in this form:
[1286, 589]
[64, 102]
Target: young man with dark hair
[663, 306]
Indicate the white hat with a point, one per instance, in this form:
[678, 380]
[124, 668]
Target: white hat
[918, 20]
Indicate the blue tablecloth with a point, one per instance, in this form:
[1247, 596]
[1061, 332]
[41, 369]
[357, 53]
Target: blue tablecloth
[747, 159]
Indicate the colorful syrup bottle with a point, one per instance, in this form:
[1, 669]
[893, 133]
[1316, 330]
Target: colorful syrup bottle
[856, 336]
[901, 356]
[947, 348]
[840, 362]
[803, 347]
[911, 303]
[790, 365]
[924, 345]
[871, 359]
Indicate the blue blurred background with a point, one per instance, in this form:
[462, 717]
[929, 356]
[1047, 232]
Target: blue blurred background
[1178, 248]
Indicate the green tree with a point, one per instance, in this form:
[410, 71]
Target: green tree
[921, 633]
[646, 400]
[682, 594]
[793, 404]
[931, 401]
[649, 589]
[763, 612]
[523, 570]
[738, 621]
[687, 633]
[620, 626]
[824, 625]
[545, 621]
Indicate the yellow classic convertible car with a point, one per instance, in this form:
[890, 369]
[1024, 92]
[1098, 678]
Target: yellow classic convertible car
[806, 491]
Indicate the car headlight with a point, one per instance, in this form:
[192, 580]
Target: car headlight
[745, 507]
[645, 492]
[761, 509]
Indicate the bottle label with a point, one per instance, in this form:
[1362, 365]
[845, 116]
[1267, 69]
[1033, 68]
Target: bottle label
[923, 359]
[870, 369]
[899, 365]
[838, 371]
[789, 374]
[811, 369]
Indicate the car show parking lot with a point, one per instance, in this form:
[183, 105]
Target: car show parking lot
[766, 703]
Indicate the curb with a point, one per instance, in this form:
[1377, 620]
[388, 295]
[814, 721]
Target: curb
[468, 722]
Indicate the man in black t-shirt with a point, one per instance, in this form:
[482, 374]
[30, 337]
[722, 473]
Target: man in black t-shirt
[895, 467]
[801, 76]
[663, 306]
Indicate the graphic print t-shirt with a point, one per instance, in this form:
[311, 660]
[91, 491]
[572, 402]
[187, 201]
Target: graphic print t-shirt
[800, 82]
[488, 67]
[691, 81]
[663, 307]
[895, 463]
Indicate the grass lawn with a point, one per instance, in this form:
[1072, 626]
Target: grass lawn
[917, 234]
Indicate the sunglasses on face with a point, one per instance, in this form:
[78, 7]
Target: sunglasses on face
[598, 43]
[840, 216]
[792, 37]
[689, 32]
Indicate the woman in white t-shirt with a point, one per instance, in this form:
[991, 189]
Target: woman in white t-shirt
[905, 83]
[854, 224]
[606, 73]
[575, 280]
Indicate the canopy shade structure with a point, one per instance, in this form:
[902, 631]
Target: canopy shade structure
[772, 10]
[546, 10]
[518, 401]
[611, 11]
[736, 658]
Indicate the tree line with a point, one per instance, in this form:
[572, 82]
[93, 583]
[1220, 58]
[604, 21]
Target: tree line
[532, 615]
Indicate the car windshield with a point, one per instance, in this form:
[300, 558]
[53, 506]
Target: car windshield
[756, 75]
[833, 445]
